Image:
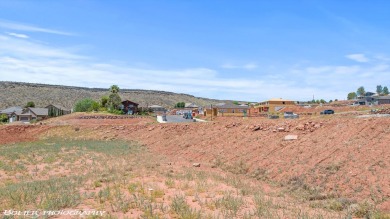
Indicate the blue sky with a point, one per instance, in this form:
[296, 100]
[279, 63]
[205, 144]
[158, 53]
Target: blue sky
[243, 50]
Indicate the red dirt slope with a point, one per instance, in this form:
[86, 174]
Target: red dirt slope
[345, 156]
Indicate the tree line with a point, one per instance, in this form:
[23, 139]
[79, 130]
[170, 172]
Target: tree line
[360, 92]
[110, 103]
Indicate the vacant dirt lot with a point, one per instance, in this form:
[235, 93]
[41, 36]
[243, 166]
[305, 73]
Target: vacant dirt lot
[339, 163]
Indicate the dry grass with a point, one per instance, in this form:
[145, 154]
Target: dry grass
[125, 180]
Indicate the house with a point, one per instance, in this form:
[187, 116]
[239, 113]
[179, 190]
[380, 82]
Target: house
[8, 112]
[226, 109]
[367, 99]
[382, 100]
[129, 107]
[29, 114]
[191, 106]
[271, 105]
[57, 110]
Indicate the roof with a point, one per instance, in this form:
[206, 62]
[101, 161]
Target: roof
[10, 110]
[383, 97]
[130, 102]
[20, 113]
[39, 111]
[190, 105]
[58, 107]
[228, 106]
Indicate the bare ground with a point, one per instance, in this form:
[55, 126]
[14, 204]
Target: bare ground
[338, 162]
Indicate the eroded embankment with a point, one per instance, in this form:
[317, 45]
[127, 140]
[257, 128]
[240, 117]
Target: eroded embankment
[333, 156]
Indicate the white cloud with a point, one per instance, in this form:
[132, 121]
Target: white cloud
[30, 28]
[18, 35]
[29, 61]
[18, 47]
[337, 81]
[248, 66]
[358, 57]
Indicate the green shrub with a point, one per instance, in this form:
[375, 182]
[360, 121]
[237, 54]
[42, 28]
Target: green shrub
[30, 104]
[86, 105]
[114, 101]
[115, 111]
[104, 101]
[94, 107]
[3, 118]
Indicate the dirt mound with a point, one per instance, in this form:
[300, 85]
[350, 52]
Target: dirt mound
[343, 157]
[20, 133]
[332, 156]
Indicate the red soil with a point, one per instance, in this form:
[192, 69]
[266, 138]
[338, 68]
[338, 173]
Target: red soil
[340, 155]
[20, 133]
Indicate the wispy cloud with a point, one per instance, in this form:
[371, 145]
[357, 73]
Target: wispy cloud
[358, 57]
[248, 66]
[30, 61]
[341, 79]
[10, 25]
[18, 35]
[24, 49]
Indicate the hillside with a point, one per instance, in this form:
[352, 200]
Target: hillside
[19, 93]
[337, 166]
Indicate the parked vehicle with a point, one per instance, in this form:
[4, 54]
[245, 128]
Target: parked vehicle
[273, 116]
[290, 115]
[188, 115]
[328, 111]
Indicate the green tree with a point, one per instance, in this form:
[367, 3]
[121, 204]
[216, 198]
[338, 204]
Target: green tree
[236, 103]
[322, 101]
[3, 118]
[385, 90]
[85, 105]
[361, 91]
[330, 101]
[114, 89]
[30, 104]
[352, 96]
[114, 101]
[104, 101]
[180, 105]
[379, 89]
